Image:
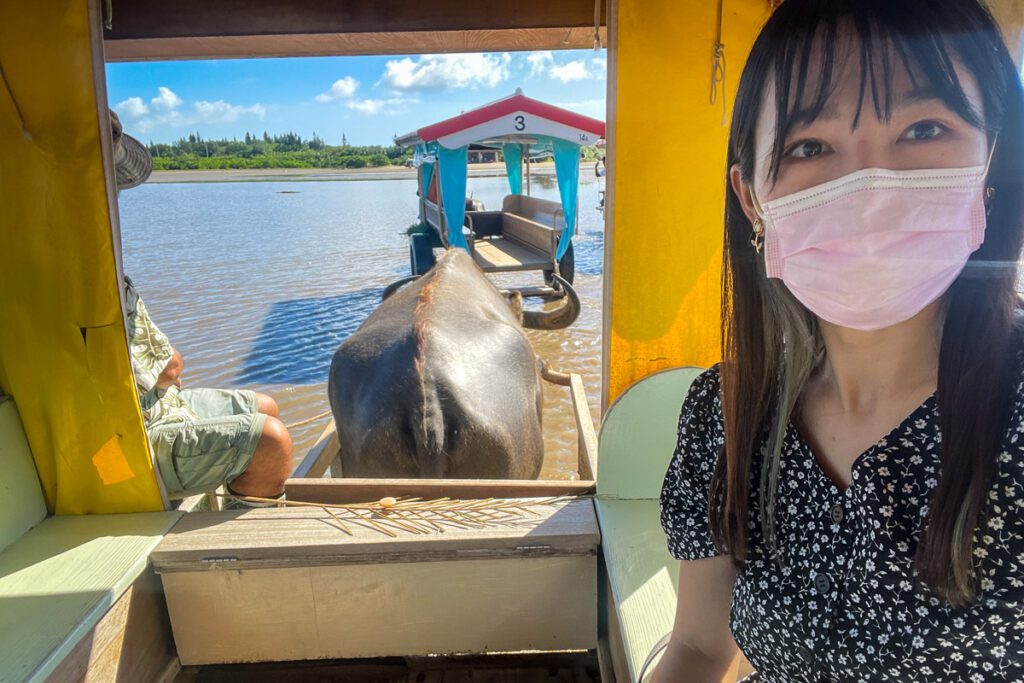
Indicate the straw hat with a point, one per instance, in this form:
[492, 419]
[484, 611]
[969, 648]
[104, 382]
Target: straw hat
[132, 162]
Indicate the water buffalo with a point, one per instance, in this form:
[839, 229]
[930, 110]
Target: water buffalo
[440, 381]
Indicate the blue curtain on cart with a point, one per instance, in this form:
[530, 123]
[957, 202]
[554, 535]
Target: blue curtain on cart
[567, 169]
[451, 164]
[513, 166]
[428, 173]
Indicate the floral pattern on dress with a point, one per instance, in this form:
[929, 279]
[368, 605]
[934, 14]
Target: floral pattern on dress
[844, 604]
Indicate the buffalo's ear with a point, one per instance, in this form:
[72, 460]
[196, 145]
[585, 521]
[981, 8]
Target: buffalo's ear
[515, 302]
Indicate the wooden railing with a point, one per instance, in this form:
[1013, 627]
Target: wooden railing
[326, 452]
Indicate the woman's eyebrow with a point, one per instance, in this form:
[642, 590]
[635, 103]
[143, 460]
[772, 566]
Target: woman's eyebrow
[916, 96]
[805, 116]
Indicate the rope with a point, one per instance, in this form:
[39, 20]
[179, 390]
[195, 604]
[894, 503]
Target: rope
[718, 66]
[301, 423]
[597, 25]
[108, 21]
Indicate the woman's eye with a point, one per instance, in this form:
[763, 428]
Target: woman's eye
[806, 149]
[925, 130]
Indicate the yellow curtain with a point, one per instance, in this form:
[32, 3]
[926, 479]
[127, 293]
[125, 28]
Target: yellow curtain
[63, 349]
[665, 248]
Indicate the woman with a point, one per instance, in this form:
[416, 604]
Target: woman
[847, 495]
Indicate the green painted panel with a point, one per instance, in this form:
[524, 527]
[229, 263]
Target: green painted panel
[22, 505]
[58, 580]
[642, 573]
[638, 435]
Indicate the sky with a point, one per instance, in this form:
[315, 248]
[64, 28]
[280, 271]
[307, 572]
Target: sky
[368, 99]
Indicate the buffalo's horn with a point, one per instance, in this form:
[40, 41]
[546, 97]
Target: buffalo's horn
[561, 317]
[396, 285]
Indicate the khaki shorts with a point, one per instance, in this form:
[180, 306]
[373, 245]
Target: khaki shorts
[200, 455]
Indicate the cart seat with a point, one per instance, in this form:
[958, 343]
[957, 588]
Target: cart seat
[59, 576]
[504, 255]
[637, 440]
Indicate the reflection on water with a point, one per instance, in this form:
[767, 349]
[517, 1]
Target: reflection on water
[298, 338]
[256, 283]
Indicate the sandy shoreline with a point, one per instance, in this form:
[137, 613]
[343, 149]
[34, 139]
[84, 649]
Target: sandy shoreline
[320, 174]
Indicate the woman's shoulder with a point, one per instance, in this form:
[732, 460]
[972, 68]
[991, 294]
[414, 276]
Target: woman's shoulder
[684, 493]
[702, 406]
[706, 387]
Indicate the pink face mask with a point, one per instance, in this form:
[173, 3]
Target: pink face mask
[873, 248]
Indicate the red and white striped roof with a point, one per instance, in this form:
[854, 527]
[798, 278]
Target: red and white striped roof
[515, 118]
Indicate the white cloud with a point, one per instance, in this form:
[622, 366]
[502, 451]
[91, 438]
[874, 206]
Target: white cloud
[544, 65]
[540, 62]
[225, 112]
[371, 107]
[165, 110]
[575, 70]
[166, 99]
[445, 72]
[340, 89]
[133, 107]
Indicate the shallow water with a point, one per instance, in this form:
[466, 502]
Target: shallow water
[256, 283]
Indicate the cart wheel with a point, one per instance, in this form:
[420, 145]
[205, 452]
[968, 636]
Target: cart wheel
[566, 267]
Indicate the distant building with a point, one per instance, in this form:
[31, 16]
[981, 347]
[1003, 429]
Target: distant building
[482, 154]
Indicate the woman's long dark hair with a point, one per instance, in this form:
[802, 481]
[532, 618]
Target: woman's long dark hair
[770, 342]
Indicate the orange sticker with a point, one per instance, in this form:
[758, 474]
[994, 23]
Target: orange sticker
[111, 464]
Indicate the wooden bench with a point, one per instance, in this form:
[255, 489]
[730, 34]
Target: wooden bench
[525, 239]
[542, 211]
[290, 584]
[636, 443]
[77, 597]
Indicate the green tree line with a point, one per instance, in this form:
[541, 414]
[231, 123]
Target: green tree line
[289, 150]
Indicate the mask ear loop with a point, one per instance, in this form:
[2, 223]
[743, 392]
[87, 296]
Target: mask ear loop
[757, 237]
[989, 190]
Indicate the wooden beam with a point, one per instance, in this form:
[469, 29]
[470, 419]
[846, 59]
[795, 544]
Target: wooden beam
[339, 491]
[586, 435]
[187, 18]
[321, 455]
[191, 29]
[334, 44]
[584, 429]
[310, 536]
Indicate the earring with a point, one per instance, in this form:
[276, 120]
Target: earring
[757, 240]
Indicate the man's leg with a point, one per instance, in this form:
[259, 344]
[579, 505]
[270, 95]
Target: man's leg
[267, 405]
[270, 465]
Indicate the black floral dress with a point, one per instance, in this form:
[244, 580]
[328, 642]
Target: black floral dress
[844, 605]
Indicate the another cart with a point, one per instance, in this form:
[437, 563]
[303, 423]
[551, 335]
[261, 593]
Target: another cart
[527, 233]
